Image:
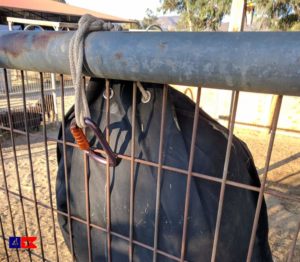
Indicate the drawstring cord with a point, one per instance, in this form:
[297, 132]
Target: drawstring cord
[87, 24]
[146, 95]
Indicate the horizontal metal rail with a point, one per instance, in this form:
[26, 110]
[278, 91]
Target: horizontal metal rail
[36, 93]
[266, 62]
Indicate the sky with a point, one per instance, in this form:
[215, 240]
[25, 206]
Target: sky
[132, 9]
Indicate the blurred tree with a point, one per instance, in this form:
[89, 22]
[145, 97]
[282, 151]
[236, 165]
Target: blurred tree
[198, 14]
[277, 14]
[295, 27]
[149, 19]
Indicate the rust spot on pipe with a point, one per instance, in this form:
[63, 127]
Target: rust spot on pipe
[14, 43]
[18, 43]
[119, 55]
[162, 45]
[41, 39]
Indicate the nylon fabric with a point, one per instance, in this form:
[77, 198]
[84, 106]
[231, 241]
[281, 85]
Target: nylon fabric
[239, 204]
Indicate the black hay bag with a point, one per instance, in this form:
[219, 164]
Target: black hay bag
[239, 204]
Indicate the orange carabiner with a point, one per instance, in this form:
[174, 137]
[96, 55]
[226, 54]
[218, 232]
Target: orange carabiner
[83, 143]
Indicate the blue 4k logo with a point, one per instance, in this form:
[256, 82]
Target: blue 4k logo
[14, 242]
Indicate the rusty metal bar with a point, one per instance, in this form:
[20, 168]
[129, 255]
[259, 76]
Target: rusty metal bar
[19, 184]
[264, 178]
[234, 104]
[230, 110]
[159, 171]
[65, 164]
[87, 197]
[186, 58]
[33, 189]
[280, 195]
[108, 213]
[87, 204]
[293, 246]
[15, 156]
[259, 126]
[7, 197]
[47, 163]
[189, 175]
[4, 242]
[33, 93]
[132, 164]
[31, 164]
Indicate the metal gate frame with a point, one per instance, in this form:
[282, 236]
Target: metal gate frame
[157, 58]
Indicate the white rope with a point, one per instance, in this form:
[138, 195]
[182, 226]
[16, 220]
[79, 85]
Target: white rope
[146, 95]
[86, 24]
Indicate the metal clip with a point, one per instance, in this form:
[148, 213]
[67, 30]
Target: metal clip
[83, 143]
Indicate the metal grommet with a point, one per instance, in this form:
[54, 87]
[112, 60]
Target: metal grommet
[111, 93]
[147, 98]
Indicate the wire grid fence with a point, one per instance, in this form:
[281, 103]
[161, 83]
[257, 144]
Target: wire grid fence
[33, 98]
[32, 82]
[36, 214]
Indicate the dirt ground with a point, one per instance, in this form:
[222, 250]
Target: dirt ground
[284, 176]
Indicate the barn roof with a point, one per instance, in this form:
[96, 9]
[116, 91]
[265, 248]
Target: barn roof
[52, 7]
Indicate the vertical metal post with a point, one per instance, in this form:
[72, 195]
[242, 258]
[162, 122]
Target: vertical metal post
[26, 130]
[87, 204]
[3, 238]
[14, 152]
[264, 178]
[234, 103]
[236, 24]
[132, 164]
[189, 176]
[10, 25]
[54, 95]
[54, 90]
[87, 197]
[10, 28]
[159, 171]
[31, 167]
[293, 246]
[272, 112]
[108, 233]
[8, 198]
[65, 165]
[47, 165]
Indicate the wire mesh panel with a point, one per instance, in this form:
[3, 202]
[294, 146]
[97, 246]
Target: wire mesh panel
[29, 169]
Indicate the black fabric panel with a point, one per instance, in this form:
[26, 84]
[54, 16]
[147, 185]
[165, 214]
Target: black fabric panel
[211, 141]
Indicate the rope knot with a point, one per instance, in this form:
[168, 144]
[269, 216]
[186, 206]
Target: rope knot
[86, 24]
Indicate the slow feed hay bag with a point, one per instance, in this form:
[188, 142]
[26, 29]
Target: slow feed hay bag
[210, 148]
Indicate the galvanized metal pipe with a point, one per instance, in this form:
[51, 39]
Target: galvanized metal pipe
[257, 61]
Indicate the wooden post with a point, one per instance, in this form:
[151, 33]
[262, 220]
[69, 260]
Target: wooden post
[237, 16]
[236, 24]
